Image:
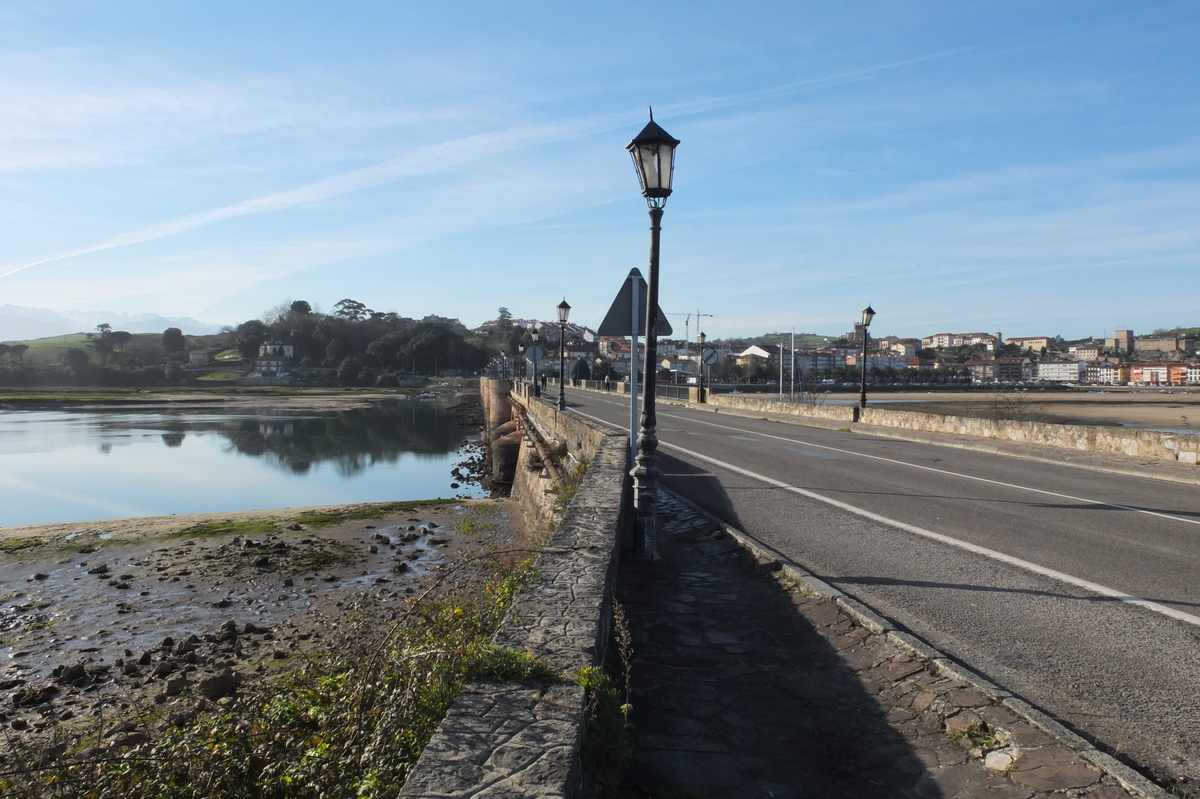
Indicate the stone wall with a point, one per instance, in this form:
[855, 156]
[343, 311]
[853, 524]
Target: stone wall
[504, 740]
[1115, 440]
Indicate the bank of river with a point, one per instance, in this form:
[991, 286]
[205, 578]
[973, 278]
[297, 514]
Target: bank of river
[112, 632]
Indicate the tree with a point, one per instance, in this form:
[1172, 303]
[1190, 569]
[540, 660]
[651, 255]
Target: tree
[581, 370]
[5, 349]
[353, 310]
[76, 359]
[19, 350]
[173, 341]
[301, 307]
[102, 341]
[348, 371]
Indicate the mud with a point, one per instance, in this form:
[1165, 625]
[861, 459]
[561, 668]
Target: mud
[100, 619]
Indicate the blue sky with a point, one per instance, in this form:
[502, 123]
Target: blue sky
[1024, 167]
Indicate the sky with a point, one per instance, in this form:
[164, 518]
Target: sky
[1015, 166]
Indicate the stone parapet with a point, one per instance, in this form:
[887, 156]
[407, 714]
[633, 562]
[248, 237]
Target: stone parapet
[502, 740]
[1172, 447]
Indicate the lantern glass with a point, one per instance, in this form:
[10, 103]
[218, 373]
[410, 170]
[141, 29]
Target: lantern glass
[564, 310]
[702, 338]
[653, 152]
[867, 316]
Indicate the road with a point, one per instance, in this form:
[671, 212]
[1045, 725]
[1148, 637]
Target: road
[1074, 589]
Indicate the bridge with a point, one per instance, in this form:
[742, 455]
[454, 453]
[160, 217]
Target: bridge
[1067, 588]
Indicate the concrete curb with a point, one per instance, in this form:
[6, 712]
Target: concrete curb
[1131, 779]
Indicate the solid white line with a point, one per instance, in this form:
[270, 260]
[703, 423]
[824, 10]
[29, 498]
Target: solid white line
[943, 471]
[1053, 574]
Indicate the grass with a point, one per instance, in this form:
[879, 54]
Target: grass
[350, 724]
[220, 376]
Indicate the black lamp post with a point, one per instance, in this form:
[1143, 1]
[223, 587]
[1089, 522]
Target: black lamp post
[521, 355]
[564, 311]
[537, 386]
[867, 315]
[653, 152]
[700, 362]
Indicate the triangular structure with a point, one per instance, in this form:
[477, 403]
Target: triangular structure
[619, 319]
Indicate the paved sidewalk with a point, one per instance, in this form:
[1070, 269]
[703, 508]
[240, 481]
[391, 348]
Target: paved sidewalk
[744, 687]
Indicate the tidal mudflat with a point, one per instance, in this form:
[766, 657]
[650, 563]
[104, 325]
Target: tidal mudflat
[112, 631]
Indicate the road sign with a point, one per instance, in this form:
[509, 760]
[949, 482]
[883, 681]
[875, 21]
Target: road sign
[666, 363]
[709, 356]
[534, 354]
[619, 319]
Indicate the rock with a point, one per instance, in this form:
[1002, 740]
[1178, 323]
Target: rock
[279, 654]
[997, 761]
[253, 629]
[144, 659]
[69, 673]
[294, 526]
[163, 668]
[37, 576]
[19, 724]
[223, 603]
[120, 728]
[438, 542]
[374, 550]
[262, 563]
[132, 739]
[400, 568]
[289, 582]
[220, 686]
[167, 642]
[101, 569]
[8, 685]
[32, 697]
[176, 686]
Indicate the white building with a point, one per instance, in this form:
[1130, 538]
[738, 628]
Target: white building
[1061, 371]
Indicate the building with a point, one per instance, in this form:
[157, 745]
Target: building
[1106, 373]
[752, 356]
[1122, 341]
[1167, 344]
[1087, 352]
[1030, 343]
[877, 360]
[1193, 374]
[1060, 371]
[1000, 370]
[1149, 374]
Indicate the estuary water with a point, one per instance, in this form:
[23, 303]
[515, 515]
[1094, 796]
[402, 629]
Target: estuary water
[80, 465]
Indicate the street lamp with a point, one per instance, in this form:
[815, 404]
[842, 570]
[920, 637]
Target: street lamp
[521, 350]
[564, 311]
[537, 386]
[701, 338]
[653, 152]
[867, 315]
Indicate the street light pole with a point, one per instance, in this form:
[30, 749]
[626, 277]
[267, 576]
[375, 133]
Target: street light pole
[867, 315]
[702, 338]
[653, 152]
[564, 311]
[537, 385]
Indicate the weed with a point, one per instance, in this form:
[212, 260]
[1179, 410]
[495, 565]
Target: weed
[978, 735]
[501, 664]
[606, 741]
[568, 484]
[843, 429]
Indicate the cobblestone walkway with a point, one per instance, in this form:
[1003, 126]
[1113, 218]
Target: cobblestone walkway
[743, 687]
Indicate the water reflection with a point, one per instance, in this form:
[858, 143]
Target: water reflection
[133, 463]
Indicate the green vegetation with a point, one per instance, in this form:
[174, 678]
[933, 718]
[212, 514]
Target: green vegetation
[349, 724]
[606, 745]
[16, 544]
[316, 559]
[978, 735]
[377, 511]
[235, 527]
[220, 376]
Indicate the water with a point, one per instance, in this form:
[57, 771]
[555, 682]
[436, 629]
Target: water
[61, 466]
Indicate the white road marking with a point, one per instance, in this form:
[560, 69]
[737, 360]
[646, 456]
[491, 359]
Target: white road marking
[946, 472]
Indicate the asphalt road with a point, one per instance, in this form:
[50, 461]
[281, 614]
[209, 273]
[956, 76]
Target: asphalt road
[1072, 588]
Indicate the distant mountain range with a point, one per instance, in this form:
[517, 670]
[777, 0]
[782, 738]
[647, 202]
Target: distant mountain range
[18, 323]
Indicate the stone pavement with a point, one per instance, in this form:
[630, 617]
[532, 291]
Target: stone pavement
[744, 686]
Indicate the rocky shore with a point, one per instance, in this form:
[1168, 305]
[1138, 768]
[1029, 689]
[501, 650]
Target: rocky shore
[115, 630]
